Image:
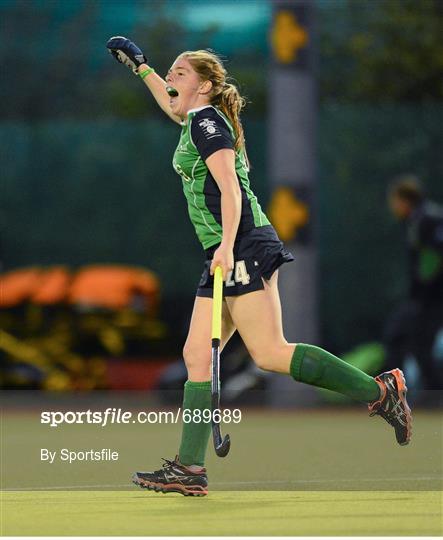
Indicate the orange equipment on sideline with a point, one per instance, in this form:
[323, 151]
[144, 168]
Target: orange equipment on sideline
[44, 286]
[115, 287]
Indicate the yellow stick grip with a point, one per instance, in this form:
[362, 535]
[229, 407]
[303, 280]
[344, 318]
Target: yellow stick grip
[217, 304]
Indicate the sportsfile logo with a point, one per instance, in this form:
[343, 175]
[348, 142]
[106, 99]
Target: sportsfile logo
[113, 415]
[210, 128]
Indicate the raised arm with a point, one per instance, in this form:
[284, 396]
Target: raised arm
[126, 52]
[158, 86]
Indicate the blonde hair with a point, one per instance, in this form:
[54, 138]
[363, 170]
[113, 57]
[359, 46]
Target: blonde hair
[224, 94]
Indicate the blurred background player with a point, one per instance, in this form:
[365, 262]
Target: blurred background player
[413, 326]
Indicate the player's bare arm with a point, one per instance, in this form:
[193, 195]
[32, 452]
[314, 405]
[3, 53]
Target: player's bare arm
[158, 88]
[222, 167]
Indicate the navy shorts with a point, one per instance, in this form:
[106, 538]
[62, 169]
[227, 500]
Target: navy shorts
[257, 255]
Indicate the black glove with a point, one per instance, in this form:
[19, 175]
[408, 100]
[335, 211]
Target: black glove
[126, 52]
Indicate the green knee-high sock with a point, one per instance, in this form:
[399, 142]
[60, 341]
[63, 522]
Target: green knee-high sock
[315, 366]
[195, 435]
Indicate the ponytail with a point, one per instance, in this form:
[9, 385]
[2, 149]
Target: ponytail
[231, 103]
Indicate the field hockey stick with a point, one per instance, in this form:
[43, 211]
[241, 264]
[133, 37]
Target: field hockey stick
[221, 446]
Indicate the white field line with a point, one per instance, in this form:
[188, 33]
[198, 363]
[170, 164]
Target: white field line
[61, 488]
[245, 483]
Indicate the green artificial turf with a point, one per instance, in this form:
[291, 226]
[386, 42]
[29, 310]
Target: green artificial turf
[222, 513]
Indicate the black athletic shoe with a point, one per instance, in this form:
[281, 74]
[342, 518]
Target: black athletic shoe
[173, 477]
[392, 405]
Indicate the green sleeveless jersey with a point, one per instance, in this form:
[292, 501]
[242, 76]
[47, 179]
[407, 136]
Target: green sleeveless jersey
[205, 131]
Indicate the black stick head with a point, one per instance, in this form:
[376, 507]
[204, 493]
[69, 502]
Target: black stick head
[222, 450]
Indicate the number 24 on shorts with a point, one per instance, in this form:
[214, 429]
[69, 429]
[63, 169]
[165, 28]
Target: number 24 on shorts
[240, 275]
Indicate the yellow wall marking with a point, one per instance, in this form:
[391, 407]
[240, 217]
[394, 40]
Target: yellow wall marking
[287, 213]
[287, 37]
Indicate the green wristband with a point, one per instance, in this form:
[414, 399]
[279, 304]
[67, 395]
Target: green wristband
[147, 72]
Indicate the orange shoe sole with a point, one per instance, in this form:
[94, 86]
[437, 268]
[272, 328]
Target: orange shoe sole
[402, 390]
[196, 491]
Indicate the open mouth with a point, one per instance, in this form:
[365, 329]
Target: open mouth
[171, 91]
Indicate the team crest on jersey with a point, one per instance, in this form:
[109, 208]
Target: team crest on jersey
[210, 128]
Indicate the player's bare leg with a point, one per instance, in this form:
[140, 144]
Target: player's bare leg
[186, 473]
[197, 348]
[258, 318]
